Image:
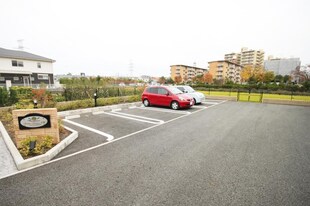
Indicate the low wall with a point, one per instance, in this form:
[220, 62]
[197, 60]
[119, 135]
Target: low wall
[221, 98]
[286, 102]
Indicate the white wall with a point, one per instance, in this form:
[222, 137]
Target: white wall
[6, 65]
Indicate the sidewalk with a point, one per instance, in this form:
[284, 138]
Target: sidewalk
[7, 165]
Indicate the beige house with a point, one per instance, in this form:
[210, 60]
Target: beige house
[187, 73]
[225, 70]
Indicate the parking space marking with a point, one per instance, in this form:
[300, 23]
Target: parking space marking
[109, 137]
[201, 107]
[207, 102]
[100, 112]
[164, 110]
[73, 116]
[141, 119]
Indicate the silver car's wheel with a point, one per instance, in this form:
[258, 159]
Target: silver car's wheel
[195, 101]
[175, 105]
[146, 102]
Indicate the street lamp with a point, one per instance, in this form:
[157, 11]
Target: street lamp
[95, 98]
[35, 104]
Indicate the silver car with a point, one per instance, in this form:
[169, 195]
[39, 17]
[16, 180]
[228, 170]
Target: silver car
[197, 96]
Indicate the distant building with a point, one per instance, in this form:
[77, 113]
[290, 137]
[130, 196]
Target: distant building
[282, 66]
[20, 68]
[233, 57]
[187, 73]
[246, 57]
[225, 70]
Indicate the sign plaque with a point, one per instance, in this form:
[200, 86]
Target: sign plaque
[34, 121]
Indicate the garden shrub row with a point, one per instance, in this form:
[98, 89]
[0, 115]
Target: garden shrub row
[86, 103]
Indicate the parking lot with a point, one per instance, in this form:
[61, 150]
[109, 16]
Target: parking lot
[217, 153]
[101, 127]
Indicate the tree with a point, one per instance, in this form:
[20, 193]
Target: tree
[278, 78]
[207, 78]
[162, 80]
[170, 81]
[178, 79]
[287, 78]
[198, 79]
[269, 76]
[246, 73]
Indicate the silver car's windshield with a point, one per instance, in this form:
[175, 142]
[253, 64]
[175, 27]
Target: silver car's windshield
[189, 89]
[175, 90]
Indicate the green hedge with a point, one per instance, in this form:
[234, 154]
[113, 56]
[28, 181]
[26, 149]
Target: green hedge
[86, 103]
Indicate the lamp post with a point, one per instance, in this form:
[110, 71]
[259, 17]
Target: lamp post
[35, 103]
[95, 98]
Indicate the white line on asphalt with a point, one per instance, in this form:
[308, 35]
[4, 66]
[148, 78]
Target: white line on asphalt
[132, 107]
[139, 117]
[100, 112]
[73, 116]
[206, 102]
[116, 110]
[201, 107]
[109, 137]
[103, 144]
[164, 110]
[131, 118]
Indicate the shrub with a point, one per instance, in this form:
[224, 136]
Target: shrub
[43, 144]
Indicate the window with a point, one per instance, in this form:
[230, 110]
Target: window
[43, 76]
[16, 78]
[39, 64]
[162, 91]
[17, 63]
[152, 90]
[2, 79]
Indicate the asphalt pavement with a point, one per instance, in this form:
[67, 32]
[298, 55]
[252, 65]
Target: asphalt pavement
[233, 153]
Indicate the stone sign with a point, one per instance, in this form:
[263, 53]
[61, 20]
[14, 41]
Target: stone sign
[35, 122]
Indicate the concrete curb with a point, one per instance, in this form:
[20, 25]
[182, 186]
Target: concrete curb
[221, 98]
[21, 163]
[97, 109]
[287, 102]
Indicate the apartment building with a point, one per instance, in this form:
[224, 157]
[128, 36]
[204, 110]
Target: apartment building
[246, 57]
[225, 70]
[233, 57]
[20, 68]
[187, 73]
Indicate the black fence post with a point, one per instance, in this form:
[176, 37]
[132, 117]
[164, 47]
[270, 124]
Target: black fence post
[238, 95]
[95, 97]
[292, 94]
[249, 96]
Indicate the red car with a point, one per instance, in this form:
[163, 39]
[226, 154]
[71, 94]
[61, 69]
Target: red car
[166, 96]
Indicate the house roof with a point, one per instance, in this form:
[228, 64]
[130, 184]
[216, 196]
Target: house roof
[182, 65]
[14, 54]
[229, 62]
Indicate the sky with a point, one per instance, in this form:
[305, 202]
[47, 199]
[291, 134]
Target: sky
[144, 37]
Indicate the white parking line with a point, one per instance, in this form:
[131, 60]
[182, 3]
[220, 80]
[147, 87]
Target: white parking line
[109, 137]
[164, 110]
[73, 116]
[201, 107]
[139, 117]
[207, 102]
[135, 119]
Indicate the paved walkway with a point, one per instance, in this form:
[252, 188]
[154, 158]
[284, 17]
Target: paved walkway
[7, 165]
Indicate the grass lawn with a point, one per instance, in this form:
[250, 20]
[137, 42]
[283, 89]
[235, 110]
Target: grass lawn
[255, 97]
